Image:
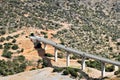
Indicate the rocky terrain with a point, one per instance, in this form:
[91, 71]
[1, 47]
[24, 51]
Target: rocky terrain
[91, 26]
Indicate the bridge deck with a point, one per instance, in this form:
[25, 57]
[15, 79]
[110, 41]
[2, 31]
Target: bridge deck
[71, 50]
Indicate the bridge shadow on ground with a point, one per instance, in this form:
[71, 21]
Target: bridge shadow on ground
[41, 53]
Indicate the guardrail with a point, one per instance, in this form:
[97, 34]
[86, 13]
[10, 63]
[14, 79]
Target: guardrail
[73, 51]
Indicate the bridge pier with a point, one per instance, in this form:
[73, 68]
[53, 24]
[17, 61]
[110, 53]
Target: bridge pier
[45, 46]
[68, 49]
[55, 54]
[83, 63]
[67, 59]
[102, 69]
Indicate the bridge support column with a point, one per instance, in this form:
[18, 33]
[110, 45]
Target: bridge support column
[83, 63]
[102, 69]
[45, 46]
[68, 59]
[55, 54]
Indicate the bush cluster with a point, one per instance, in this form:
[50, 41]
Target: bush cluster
[9, 37]
[97, 65]
[17, 65]
[16, 36]
[66, 71]
[45, 63]
[15, 47]
[1, 46]
[7, 54]
[2, 39]
[2, 32]
[14, 41]
[57, 69]
[7, 45]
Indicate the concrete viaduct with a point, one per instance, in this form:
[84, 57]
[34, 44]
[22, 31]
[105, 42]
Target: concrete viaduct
[73, 51]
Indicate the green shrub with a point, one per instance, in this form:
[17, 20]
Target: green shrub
[32, 34]
[72, 71]
[1, 46]
[22, 50]
[74, 56]
[14, 41]
[44, 33]
[18, 51]
[60, 55]
[118, 43]
[97, 65]
[74, 74]
[2, 39]
[21, 58]
[23, 66]
[39, 61]
[16, 36]
[7, 45]
[2, 32]
[66, 72]
[15, 47]
[48, 55]
[57, 69]
[32, 69]
[12, 67]
[110, 68]
[110, 48]
[94, 64]
[79, 61]
[45, 63]
[118, 58]
[7, 54]
[8, 38]
[45, 36]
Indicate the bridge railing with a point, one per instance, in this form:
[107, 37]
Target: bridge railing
[74, 51]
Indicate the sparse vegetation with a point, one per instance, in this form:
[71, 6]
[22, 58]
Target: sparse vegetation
[14, 41]
[16, 36]
[2, 39]
[45, 63]
[7, 54]
[7, 45]
[1, 46]
[15, 47]
[8, 38]
[57, 69]
[67, 71]
[97, 65]
[93, 28]
[17, 65]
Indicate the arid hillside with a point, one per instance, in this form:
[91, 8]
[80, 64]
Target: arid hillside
[92, 26]
[33, 56]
